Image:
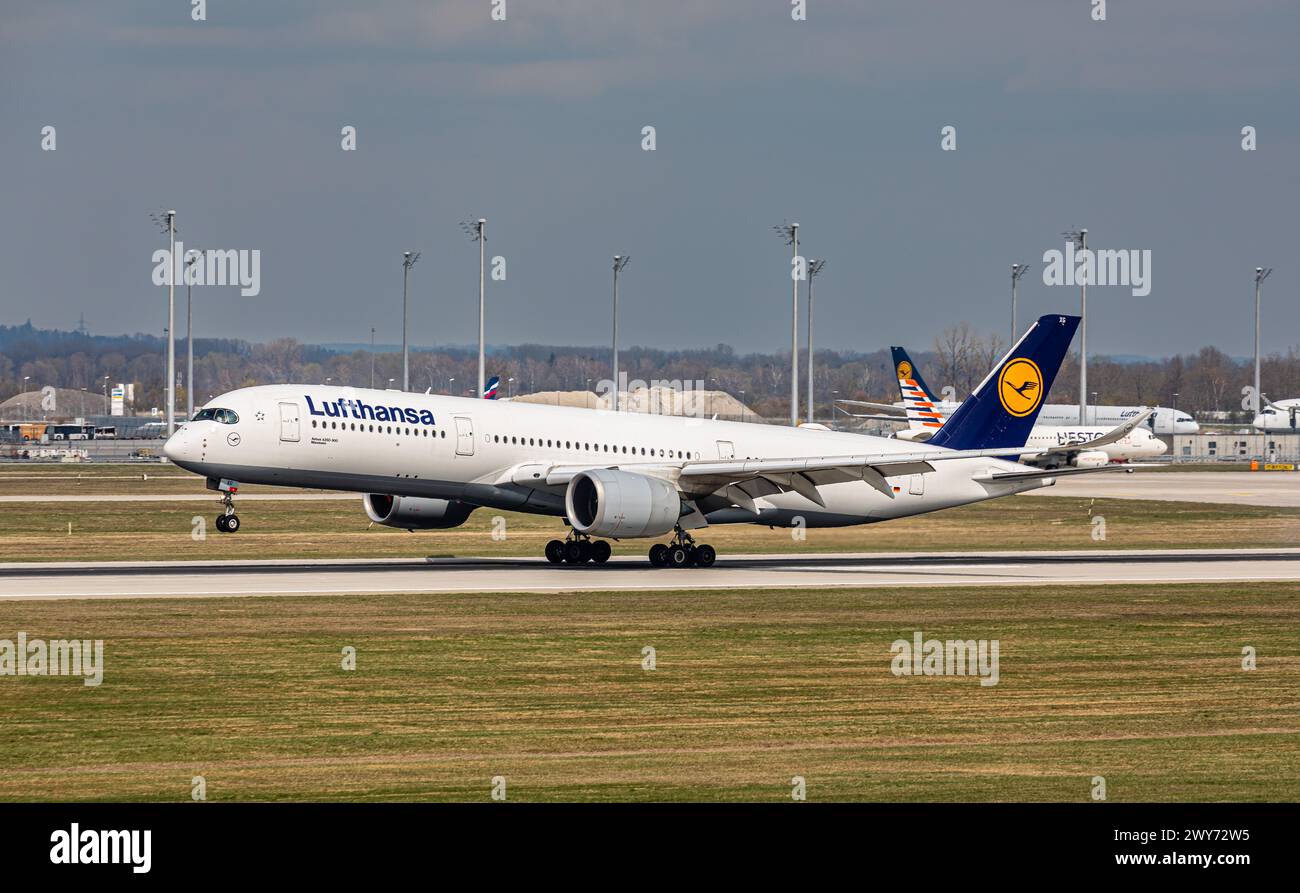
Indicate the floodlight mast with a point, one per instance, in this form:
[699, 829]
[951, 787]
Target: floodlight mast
[1017, 271]
[620, 261]
[167, 222]
[408, 260]
[1080, 236]
[1261, 273]
[194, 255]
[790, 233]
[814, 267]
[477, 231]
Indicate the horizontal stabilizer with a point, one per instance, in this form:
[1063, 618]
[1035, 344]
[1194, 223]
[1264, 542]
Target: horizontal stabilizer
[883, 407]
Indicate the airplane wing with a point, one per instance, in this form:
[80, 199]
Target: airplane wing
[743, 480]
[1004, 476]
[1117, 433]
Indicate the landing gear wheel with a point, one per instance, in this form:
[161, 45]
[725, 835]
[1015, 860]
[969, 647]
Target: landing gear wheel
[573, 552]
[659, 555]
[678, 556]
[228, 521]
[585, 550]
[600, 551]
[555, 551]
[705, 555]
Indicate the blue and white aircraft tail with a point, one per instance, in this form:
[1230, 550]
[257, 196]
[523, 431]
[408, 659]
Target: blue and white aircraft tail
[918, 400]
[1000, 412]
[490, 389]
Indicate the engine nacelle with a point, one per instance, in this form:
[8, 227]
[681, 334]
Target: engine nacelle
[415, 512]
[607, 502]
[1090, 459]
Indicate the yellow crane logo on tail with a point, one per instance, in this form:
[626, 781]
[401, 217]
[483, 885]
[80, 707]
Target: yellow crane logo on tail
[1020, 386]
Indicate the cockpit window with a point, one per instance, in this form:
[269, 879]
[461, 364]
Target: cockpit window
[224, 416]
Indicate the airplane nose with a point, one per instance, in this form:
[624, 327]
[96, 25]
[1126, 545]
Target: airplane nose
[175, 447]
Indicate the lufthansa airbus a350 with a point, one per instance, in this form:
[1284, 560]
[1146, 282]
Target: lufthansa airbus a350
[425, 462]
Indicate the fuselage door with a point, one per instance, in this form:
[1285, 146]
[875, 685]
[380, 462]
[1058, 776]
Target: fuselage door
[289, 422]
[917, 485]
[726, 449]
[464, 436]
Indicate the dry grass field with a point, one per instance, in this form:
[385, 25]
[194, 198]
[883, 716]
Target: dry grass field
[1144, 687]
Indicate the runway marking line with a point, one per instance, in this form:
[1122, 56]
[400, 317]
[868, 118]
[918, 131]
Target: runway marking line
[861, 584]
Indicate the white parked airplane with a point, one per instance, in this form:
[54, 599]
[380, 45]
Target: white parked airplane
[426, 461]
[1061, 445]
[1279, 416]
[1163, 419]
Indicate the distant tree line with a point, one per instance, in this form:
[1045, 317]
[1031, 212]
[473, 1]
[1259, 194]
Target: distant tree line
[959, 358]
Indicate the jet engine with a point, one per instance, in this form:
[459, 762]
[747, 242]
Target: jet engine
[616, 504]
[1090, 459]
[415, 512]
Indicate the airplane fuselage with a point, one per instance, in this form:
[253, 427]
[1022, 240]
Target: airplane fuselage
[487, 452]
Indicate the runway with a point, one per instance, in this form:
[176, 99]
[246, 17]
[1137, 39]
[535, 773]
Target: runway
[466, 575]
[208, 496]
[1270, 488]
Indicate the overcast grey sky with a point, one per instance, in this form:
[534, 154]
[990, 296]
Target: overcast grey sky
[1131, 127]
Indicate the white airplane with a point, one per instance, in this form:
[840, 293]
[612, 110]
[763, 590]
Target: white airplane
[425, 462]
[1061, 445]
[1279, 416]
[1163, 420]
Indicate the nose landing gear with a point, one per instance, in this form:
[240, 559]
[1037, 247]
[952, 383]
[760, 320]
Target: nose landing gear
[228, 521]
[682, 551]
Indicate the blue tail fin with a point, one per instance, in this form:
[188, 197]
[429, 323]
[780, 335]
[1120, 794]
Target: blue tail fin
[909, 374]
[1001, 411]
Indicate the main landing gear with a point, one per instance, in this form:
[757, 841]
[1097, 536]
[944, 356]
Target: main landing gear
[578, 548]
[682, 551]
[228, 521]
